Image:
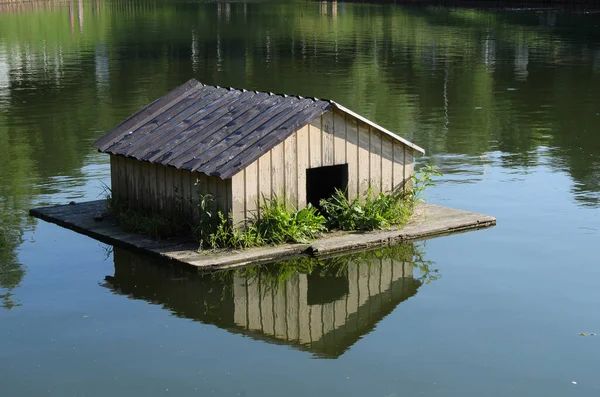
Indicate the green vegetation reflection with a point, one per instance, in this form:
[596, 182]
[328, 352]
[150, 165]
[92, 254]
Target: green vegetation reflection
[275, 275]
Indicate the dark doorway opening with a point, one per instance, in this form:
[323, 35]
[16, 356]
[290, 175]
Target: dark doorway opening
[321, 182]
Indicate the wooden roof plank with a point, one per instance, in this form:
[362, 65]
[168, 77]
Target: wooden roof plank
[183, 141]
[249, 139]
[175, 126]
[191, 124]
[232, 139]
[194, 146]
[181, 110]
[241, 119]
[269, 141]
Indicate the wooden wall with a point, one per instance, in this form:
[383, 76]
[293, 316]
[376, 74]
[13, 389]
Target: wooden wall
[155, 187]
[284, 313]
[374, 160]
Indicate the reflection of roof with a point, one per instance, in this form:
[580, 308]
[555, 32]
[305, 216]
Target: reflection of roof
[214, 130]
[280, 316]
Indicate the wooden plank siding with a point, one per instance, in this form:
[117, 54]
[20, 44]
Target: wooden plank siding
[303, 161]
[278, 160]
[239, 197]
[123, 186]
[339, 140]
[409, 166]
[290, 165]
[187, 192]
[387, 163]
[160, 187]
[114, 174]
[155, 187]
[315, 144]
[327, 139]
[352, 156]
[375, 161]
[251, 181]
[364, 157]
[398, 165]
[264, 178]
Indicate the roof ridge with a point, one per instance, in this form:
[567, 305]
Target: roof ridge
[270, 93]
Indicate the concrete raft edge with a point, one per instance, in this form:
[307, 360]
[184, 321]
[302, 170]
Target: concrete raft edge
[429, 220]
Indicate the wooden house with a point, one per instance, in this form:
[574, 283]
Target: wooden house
[324, 313]
[245, 146]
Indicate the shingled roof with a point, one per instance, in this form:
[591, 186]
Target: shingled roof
[214, 130]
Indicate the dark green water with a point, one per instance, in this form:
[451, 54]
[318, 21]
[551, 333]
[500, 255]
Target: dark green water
[506, 103]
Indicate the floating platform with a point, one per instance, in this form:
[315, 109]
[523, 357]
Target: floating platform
[428, 221]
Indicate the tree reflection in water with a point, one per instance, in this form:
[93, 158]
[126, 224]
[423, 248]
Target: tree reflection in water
[11, 271]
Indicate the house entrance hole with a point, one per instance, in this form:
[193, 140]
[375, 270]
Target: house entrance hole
[321, 182]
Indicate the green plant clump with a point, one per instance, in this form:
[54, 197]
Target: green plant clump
[377, 211]
[225, 235]
[421, 181]
[277, 224]
[374, 211]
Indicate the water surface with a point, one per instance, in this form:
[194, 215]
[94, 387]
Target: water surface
[506, 103]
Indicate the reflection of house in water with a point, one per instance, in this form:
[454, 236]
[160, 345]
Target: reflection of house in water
[521, 60]
[4, 73]
[102, 65]
[489, 52]
[324, 312]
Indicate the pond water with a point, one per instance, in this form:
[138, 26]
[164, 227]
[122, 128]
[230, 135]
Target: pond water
[506, 104]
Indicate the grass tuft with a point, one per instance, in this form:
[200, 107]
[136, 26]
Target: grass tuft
[373, 211]
[277, 224]
[377, 211]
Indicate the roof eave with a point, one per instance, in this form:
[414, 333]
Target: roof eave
[378, 127]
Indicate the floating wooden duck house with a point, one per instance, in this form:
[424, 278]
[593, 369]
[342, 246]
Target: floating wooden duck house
[245, 146]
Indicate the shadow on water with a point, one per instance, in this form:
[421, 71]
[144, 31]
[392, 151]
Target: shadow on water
[323, 307]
